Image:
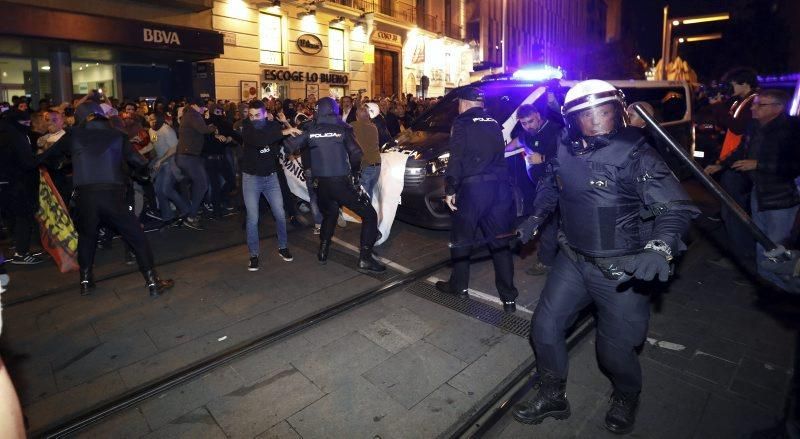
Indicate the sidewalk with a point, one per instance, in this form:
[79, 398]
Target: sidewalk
[717, 363]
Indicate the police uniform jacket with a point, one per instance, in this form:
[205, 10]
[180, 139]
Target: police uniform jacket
[99, 153]
[477, 149]
[332, 148]
[615, 199]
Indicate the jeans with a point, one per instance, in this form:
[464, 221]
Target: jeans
[777, 225]
[369, 177]
[218, 169]
[253, 187]
[166, 192]
[193, 167]
[312, 198]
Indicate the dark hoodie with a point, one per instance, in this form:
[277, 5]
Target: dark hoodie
[16, 148]
[332, 147]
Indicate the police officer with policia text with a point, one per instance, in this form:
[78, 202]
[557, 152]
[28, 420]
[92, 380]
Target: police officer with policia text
[335, 162]
[622, 213]
[478, 192]
[98, 154]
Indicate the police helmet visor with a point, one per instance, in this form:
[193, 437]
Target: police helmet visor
[597, 121]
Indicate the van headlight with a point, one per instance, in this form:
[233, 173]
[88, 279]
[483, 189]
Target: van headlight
[438, 165]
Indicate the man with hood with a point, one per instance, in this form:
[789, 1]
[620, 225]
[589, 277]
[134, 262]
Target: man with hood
[335, 164]
[18, 171]
[98, 154]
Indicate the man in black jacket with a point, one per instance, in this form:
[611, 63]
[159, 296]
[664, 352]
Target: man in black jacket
[191, 139]
[479, 193]
[770, 156]
[98, 152]
[335, 162]
[18, 194]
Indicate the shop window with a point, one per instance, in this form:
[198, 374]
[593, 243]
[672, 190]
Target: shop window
[15, 78]
[270, 31]
[88, 76]
[336, 92]
[336, 48]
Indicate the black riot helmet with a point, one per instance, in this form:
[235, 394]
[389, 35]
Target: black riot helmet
[327, 107]
[594, 111]
[87, 111]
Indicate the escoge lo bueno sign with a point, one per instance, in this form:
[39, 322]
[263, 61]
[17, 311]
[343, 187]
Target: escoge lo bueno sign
[298, 76]
[309, 44]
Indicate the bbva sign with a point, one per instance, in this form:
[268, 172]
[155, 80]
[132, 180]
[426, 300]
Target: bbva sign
[161, 37]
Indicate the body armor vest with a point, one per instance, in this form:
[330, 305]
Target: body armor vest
[600, 206]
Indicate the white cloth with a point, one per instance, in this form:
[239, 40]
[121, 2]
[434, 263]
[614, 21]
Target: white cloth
[385, 195]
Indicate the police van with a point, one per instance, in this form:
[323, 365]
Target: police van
[426, 140]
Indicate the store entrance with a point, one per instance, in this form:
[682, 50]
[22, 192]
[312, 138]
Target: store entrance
[385, 76]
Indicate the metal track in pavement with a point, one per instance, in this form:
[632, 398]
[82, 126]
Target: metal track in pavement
[198, 369]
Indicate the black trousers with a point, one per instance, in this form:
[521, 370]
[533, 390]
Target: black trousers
[622, 318]
[487, 206]
[548, 240]
[107, 204]
[333, 192]
[19, 201]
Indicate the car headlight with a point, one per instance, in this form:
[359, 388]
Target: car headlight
[438, 165]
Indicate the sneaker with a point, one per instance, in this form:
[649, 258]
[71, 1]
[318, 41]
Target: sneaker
[253, 264]
[153, 214]
[284, 252]
[192, 223]
[26, 259]
[317, 229]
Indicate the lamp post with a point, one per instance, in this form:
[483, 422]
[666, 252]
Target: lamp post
[693, 39]
[666, 37]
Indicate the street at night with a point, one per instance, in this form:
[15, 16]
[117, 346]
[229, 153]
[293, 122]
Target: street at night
[399, 219]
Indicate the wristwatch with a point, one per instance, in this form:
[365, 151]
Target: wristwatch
[661, 247]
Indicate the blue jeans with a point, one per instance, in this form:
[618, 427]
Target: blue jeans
[165, 192]
[369, 176]
[253, 186]
[194, 168]
[777, 225]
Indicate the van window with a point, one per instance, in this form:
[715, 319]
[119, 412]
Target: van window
[501, 101]
[669, 103]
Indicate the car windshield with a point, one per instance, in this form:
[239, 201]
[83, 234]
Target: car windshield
[501, 101]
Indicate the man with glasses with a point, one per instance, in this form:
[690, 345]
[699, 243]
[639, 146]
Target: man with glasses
[261, 136]
[770, 158]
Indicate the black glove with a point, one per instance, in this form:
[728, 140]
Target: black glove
[527, 230]
[646, 264]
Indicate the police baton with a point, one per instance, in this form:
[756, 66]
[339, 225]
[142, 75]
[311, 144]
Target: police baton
[709, 183]
[484, 241]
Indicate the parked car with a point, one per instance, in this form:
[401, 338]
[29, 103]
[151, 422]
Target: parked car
[426, 140]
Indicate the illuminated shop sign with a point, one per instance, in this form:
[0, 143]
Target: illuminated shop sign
[298, 76]
[309, 44]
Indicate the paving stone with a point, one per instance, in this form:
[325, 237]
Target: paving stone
[434, 415]
[765, 397]
[191, 323]
[179, 401]
[712, 368]
[466, 338]
[724, 349]
[357, 410]
[55, 346]
[128, 424]
[488, 371]
[62, 405]
[197, 424]
[105, 357]
[584, 370]
[412, 374]
[763, 374]
[397, 330]
[253, 409]
[32, 377]
[336, 364]
[134, 319]
[666, 357]
[280, 431]
[733, 418]
[259, 364]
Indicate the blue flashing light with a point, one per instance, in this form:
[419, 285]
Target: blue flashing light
[538, 73]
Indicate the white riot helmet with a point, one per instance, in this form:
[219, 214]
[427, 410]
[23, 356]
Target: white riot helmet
[594, 111]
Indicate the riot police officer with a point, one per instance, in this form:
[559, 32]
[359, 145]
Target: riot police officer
[335, 161]
[623, 213]
[98, 154]
[478, 191]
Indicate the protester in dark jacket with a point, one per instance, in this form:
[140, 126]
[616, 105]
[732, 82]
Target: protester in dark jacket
[190, 145]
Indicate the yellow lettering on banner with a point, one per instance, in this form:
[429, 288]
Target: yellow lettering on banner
[369, 54]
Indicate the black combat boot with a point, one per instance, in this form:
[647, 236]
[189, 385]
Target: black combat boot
[156, 285]
[549, 402]
[367, 262]
[446, 288]
[322, 255]
[87, 281]
[622, 414]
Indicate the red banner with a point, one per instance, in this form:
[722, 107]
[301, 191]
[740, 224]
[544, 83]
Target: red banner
[58, 234]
